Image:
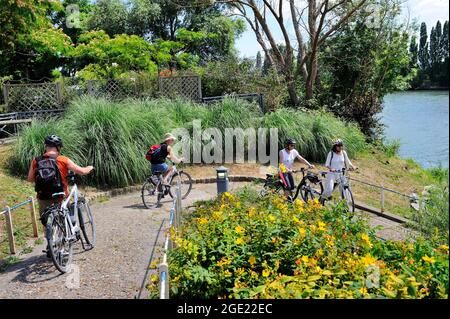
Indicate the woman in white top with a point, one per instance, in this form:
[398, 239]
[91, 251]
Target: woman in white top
[337, 159]
[287, 157]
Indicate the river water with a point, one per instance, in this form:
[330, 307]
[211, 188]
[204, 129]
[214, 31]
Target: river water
[420, 120]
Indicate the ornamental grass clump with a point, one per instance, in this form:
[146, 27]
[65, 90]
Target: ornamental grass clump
[115, 136]
[234, 248]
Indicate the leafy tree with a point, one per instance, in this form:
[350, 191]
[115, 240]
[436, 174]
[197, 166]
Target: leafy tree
[30, 45]
[424, 54]
[414, 52]
[433, 57]
[108, 15]
[156, 20]
[443, 78]
[59, 17]
[101, 56]
[361, 65]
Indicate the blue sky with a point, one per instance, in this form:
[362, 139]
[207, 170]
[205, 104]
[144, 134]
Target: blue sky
[428, 11]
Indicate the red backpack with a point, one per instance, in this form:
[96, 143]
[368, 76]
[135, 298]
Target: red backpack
[153, 152]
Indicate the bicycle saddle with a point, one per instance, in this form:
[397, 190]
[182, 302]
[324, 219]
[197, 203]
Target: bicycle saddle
[58, 195]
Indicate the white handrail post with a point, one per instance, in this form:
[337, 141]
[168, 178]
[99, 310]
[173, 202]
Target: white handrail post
[10, 230]
[163, 270]
[33, 217]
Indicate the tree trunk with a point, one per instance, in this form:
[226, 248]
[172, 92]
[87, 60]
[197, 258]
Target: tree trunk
[312, 76]
[292, 90]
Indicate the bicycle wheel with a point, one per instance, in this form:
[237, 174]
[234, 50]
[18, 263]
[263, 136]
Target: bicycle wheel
[186, 184]
[150, 196]
[86, 221]
[61, 249]
[348, 197]
[310, 191]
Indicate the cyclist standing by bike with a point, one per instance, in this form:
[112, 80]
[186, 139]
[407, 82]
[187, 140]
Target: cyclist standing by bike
[49, 172]
[337, 160]
[287, 157]
[159, 156]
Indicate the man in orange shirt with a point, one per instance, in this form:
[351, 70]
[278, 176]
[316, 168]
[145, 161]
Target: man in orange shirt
[53, 146]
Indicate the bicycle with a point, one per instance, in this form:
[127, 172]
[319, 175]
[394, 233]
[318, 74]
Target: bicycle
[62, 228]
[309, 188]
[344, 188]
[153, 190]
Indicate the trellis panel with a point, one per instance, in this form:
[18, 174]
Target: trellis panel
[32, 96]
[188, 87]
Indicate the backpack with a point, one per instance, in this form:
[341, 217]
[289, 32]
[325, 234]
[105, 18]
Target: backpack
[154, 152]
[48, 177]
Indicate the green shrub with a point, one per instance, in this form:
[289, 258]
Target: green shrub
[236, 247]
[433, 218]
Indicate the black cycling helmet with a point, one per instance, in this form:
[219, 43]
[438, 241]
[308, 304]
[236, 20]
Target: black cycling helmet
[53, 140]
[290, 141]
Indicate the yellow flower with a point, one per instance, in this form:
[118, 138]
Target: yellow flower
[295, 219]
[368, 260]
[443, 248]
[217, 215]
[283, 168]
[252, 260]
[363, 291]
[272, 218]
[251, 212]
[202, 220]
[319, 252]
[239, 241]
[299, 205]
[240, 271]
[227, 273]
[223, 261]
[305, 259]
[302, 231]
[321, 226]
[266, 273]
[366, 240]
[429, 260]
[239, 229]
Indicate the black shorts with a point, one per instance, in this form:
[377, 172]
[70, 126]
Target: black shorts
[289, 177]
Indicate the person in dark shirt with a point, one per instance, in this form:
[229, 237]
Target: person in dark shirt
[159, 162]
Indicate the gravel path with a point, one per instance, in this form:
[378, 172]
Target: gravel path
[128, 238]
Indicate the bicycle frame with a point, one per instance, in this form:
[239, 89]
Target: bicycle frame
[304, 172]
[68, 226]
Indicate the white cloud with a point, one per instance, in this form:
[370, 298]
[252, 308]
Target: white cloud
[428, 11]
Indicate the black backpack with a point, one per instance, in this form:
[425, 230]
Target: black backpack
[48, 178]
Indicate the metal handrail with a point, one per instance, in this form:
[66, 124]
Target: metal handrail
[174, 220]
[411, 197]
[9, 223]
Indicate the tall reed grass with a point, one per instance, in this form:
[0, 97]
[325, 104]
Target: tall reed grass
[114, 136]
